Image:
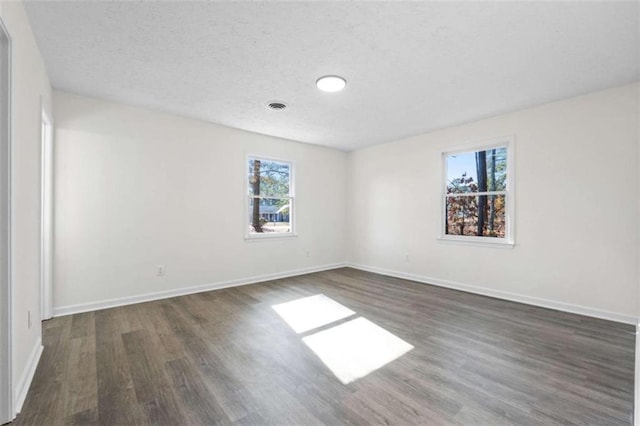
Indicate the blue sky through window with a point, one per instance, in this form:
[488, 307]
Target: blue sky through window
[460, 163]
[465, 162]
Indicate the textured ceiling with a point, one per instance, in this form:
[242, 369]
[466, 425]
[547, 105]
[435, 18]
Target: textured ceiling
[410, 67]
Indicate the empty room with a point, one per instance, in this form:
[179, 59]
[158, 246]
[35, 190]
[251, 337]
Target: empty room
[301, 213]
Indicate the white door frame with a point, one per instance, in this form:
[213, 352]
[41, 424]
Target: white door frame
[46, 217]
[6, 397]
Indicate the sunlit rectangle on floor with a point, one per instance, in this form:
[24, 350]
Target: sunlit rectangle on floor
[311, 312]
[356, 348]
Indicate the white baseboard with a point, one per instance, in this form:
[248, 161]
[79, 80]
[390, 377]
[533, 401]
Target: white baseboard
[514, 297]
[147, 297]
[529, 300]
[22, 387]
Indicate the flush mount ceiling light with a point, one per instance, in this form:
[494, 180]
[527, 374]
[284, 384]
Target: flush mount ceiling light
[331, 83]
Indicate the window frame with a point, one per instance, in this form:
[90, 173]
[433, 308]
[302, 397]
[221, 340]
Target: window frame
[248, 236]
[508, 241]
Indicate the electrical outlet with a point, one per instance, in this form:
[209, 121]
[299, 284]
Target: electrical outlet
[308, 253]
[406, 257]
[160, 270]
[29, 318]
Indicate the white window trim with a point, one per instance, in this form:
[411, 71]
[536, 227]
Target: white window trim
[292, 192]
[509, 240]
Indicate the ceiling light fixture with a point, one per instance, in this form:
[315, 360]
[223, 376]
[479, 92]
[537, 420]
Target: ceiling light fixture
[331, 83]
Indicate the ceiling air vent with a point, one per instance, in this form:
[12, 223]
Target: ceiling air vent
[278, 106]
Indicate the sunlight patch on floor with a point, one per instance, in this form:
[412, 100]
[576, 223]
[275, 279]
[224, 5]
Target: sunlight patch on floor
[311, 312]
[356, 348]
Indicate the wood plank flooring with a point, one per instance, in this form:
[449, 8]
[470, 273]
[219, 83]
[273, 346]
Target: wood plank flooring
[226, 357]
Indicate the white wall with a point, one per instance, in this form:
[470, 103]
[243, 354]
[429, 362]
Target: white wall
[636, 413]
[576, 226]
[137, 188]
[30, 85]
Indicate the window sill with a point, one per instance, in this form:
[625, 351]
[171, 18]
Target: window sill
[267, 237]
[477, 242]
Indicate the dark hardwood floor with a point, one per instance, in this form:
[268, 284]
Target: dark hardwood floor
[227, 357]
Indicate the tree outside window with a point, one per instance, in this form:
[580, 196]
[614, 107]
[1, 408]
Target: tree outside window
[477, 194]
[270, 197]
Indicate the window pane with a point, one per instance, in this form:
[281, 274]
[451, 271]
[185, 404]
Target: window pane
[479, 171]
[269, 215]
[484, 216]
[268, 178]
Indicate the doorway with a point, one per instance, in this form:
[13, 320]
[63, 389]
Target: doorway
[6, 405]
[46, 218]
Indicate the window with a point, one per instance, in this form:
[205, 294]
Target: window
[270, 197]
[478, 195]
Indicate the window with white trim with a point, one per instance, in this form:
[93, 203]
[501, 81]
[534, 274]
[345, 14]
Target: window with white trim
[477, 197]
[270, 197]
